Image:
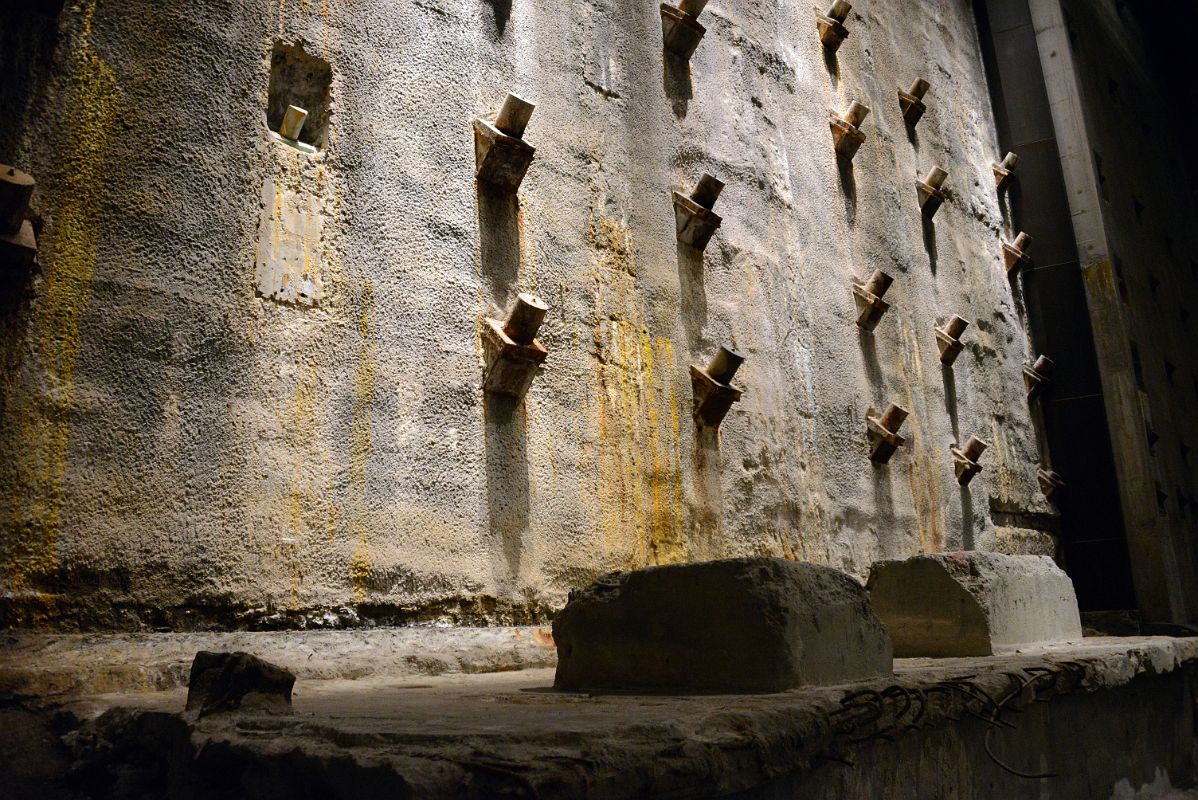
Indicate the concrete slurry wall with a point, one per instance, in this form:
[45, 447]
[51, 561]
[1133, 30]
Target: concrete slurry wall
[245, 382]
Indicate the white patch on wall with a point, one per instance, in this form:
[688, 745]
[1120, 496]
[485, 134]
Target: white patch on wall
[289, 246]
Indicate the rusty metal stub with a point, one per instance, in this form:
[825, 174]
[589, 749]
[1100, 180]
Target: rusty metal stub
[870, 307]
[883, 443]
[966, 467]
[510, 366]
[847, 138]
[712, 399]
[930, 198]
[950, 348]
[681, 32]
[1051, 482]
[501, 160]
[695, 224]
[1034, 381]
[1014, 258]
[912, 107]
[832, 32]
[1002, 177]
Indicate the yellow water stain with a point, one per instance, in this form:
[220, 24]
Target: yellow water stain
[43, 421]
[638, 458]
[1000, 453]
[923, 474]
[331, 528]
[361, 444]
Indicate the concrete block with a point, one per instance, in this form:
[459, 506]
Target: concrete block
[230, 681]
[741, 625]
[973, 603]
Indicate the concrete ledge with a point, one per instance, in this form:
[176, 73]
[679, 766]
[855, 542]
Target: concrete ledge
[741, 625]
[973, 603]
[39, 665]
[919, 733]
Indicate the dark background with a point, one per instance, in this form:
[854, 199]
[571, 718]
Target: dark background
[1171, 38]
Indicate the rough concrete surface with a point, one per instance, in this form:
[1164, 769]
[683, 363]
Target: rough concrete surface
[63, 665]
[185, 447]
[740, 625]
[973, 603]
[484, 736]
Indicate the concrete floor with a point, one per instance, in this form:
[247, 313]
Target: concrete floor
[472, 733]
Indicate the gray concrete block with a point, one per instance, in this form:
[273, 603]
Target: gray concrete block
[742, 625]
[973, 603]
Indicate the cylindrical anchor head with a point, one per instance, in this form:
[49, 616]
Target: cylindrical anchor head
[974, 448]
[1044, 365]
[919, 88]
[293, 122]
[936, 178]
[707, 190]
[1010, 161]
[692, 7]
[840, 10]
[724, 365]
[1022, 242]
[892, 419]
[878, 283]
[524, 318]
[956, 326]
[856, 114]
[514, 115]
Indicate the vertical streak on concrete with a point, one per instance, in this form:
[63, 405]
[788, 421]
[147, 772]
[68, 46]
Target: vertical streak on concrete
[43, 422]
[361, 444]
[1156, 587]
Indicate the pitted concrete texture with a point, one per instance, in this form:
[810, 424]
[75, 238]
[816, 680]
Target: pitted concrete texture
[46, 666]
[923, 734]
[179, 448]
[973, 603]
[742, 625]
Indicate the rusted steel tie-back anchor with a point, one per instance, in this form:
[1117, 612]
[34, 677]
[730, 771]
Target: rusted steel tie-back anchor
[680, 28]
[911, 102]
[513, 353]
[1037, 376]
[713, 391]
[966, 459]
[832, 31]
[948, 339]
[694, 221]
[1015, 254]
[868, 296]
[883, 433]
[931, 194]
[847, 136]
[501, 155]
[1005, 171]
